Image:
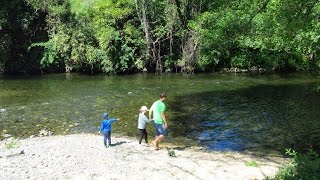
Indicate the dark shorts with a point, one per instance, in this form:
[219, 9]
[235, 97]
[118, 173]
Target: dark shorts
[160, 129]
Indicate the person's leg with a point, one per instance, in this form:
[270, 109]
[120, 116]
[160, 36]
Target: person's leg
[162, 132]
[145, 135]
[156, 131]
[109, 138]
[155, 141]
[141, 135]
[158, 140]
[104, 139]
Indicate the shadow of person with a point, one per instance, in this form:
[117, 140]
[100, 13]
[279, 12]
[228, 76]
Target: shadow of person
[118, 143]
[179, 148]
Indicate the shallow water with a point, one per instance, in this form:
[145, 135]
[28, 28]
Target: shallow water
[224, 112]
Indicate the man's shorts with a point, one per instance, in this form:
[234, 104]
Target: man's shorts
[160, 129]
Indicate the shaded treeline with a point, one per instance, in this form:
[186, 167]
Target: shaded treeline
[186, 36]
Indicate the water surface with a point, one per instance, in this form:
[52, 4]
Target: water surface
[224, 112]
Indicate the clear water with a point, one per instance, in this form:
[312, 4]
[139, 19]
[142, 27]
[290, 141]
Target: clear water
[221, 112]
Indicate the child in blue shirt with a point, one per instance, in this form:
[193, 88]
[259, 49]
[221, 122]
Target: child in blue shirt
[105, 129]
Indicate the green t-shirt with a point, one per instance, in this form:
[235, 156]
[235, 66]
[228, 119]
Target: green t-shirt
[157, 108]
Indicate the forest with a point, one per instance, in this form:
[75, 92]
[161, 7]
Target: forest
[158, 36]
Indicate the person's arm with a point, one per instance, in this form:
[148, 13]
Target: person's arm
[144, 118]
[114, 119]
[163, 115]
[150, 112]
[101, 126]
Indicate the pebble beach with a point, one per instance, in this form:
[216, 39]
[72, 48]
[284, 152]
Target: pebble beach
[83, 156]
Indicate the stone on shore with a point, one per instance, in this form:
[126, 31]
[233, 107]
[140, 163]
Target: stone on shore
[83, 156]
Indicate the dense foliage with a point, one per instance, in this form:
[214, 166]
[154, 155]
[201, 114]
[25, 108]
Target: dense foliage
[20, 26]
[165, 35]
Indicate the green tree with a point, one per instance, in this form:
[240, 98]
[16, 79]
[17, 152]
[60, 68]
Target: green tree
[182, 35]
[20, 25]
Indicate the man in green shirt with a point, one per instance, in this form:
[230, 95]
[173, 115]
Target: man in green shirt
[160, 121]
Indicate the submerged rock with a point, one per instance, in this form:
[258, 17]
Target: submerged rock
[44, 132]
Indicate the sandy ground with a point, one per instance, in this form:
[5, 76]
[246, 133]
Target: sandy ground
[83, 156]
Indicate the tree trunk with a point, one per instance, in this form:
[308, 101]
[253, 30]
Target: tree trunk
[145, 24]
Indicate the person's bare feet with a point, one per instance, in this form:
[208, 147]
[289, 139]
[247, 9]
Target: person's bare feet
[156, 144]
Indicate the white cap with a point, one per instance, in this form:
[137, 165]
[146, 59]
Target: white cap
[144, 108]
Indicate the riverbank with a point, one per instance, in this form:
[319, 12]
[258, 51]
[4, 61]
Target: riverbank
[83, 156]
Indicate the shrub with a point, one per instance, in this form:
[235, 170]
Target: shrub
[171, 153]
[302, 166]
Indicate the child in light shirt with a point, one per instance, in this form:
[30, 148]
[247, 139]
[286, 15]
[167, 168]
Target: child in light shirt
[142, 120]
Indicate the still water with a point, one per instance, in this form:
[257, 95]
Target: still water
[221, 112]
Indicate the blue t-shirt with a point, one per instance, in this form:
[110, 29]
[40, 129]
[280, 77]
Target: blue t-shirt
[106, 125]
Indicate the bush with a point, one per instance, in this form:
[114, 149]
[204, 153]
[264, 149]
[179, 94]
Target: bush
[302, 166]
[171, 153]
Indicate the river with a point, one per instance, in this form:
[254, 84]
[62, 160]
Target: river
[220, 112]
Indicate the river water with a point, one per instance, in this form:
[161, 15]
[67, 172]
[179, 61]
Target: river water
[220, 112]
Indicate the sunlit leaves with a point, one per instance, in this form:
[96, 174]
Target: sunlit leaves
[285, 32]
[49, 53]
[110, 36]
[93, 34]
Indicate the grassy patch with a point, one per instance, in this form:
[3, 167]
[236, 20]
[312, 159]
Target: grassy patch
[12, 143]
[251, 164]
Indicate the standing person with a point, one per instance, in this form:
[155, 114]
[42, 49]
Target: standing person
[142, 120]
[160, 120]
[105, 129]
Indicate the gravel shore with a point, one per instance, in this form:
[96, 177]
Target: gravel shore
[83, 156]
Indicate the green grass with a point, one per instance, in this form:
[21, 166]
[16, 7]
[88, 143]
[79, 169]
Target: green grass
[251, 164]
[12, 143]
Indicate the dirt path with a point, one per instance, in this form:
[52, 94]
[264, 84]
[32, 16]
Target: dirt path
[83, 156]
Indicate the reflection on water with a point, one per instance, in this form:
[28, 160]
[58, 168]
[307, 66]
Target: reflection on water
[220, 137]
[260, 118]
[265, 113]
